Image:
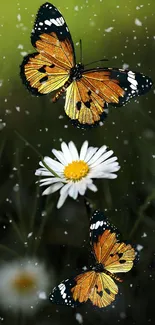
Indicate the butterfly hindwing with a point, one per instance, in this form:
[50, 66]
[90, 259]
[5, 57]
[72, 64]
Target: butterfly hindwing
[49, 69]
[97, 288]
[83, 106]
[116, 256]
[62, 294]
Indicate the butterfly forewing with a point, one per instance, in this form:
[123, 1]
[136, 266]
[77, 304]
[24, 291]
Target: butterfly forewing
[50, 20]
[48, 69]
[115, 256]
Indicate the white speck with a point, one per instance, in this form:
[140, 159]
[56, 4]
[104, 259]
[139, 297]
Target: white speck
[65, 232]
[109, 29]
[125, 66]
[92, 23]
[144, 235]
[23, 53]
[76, 8]
[138, 22]
[84, 268]
[20, 46]
[1, 83]
[79, 318]
[30, 234]
[17, 108]
[16, 188]
[19, 17]
[122, 315]
[42, 295]
[139, 247]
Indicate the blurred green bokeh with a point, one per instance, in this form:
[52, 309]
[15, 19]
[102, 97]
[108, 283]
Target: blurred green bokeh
[129, 131]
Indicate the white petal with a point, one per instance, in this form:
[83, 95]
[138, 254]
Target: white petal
[53, 164]
[41, 164]
[111, 176]
[73, 192]
[59, 155]
[45, 183]
[100, 155]
[103, 168]
[51, 179]
[90, 152]
[82, 186]
[62, 199]
[53, 188]
[66, 152]
[83, 150]
[40, 172]
[104, 159]
[92, 187]
[65, 188]
[73, 151]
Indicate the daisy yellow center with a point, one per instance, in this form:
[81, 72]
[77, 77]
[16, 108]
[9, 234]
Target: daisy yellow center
[24, 282]
[76, 170]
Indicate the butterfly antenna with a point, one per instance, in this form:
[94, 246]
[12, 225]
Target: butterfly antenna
[80, 51]
[96, 61]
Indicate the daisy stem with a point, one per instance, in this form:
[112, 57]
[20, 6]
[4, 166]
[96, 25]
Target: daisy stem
[28, 143]
[141, 211]
[38, 154]
[50, 170]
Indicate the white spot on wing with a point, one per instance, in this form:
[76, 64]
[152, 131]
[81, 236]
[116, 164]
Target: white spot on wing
[47, 22]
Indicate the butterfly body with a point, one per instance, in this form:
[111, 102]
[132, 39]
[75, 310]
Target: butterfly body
[75, 74]
[53, 68]
[97, 284]
[99, 268]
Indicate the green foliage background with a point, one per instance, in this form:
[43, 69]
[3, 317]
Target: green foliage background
[129, 131]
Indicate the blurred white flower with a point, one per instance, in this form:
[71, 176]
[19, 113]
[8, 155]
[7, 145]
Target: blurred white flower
[75, 171]
[22, 285]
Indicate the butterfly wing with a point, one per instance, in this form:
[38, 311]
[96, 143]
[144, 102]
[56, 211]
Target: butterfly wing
[48, 69]
[114, 255]
[84, 107]
[98, 288]
[119, 86]
[87, 99]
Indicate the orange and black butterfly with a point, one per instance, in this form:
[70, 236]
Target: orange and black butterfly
[98, 284]
[53, 67]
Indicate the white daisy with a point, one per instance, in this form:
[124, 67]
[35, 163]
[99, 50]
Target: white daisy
[23, 285]
[73, 171]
